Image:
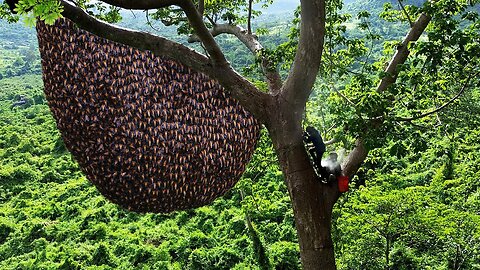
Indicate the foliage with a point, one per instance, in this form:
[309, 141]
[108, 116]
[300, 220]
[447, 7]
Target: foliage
[52, 217]
[415, 204]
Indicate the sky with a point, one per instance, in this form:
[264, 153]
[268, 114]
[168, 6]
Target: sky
[282, 6]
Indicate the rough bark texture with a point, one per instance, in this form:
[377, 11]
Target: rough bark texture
[312, 201]
[280, 110]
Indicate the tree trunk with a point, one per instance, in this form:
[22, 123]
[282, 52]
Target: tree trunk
[387, 253]
[312, 200]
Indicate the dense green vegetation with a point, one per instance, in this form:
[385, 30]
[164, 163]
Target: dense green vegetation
[414, 205]
[18, 50]
[51, 216]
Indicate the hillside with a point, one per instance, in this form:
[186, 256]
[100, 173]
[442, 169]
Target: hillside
[415, 204]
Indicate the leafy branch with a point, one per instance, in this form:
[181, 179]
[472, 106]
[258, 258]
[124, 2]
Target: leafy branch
[356, 157]
[462, 90]
[250, 40]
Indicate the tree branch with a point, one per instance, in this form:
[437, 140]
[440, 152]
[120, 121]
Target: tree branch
[141, 40]
[331, 141]
[346, 99]
[357, 156]
[405, 12]
[172, 21]
[201, 7]
[240, 88]
[149, 23]
[251, 42]
[248, 95]
[299, 83]
[196, 21]
[402, 51]
[249, 18]
[462, 90]
[142, 4]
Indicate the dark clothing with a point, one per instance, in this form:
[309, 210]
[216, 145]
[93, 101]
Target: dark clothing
[312, 136]
[316, 148]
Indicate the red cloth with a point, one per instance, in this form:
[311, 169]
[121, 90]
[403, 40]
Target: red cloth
[343, 183]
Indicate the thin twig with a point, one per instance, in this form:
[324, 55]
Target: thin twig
[330, 128]
[369, 51]
[464, 87]
[405, 12]
[249, 18]
[345, 98]
[148, 21]
[330, 142]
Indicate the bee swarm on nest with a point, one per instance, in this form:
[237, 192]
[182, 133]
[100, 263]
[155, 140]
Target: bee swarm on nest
[150, 133]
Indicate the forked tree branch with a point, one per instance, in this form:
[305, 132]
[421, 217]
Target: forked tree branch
[194, 16]
[240, 88]
[299, 83]
[251, 42]
[225, 73]
[358, 155]
[201, 30]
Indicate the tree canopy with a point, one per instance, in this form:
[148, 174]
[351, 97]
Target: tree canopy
[383, 84]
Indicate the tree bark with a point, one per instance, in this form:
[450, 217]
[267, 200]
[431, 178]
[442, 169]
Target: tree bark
[280, 110]
[387, 253]
[360, 152]
[312, 200]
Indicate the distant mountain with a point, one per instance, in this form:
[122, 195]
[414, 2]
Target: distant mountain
[282, 6]
[287, 6]
[375, 4]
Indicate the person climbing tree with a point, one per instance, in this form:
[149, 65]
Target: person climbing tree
[332, 167]
[328, 170]
[316, 147]
[280, 109]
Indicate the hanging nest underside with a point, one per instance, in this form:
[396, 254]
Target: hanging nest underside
[150, 133]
